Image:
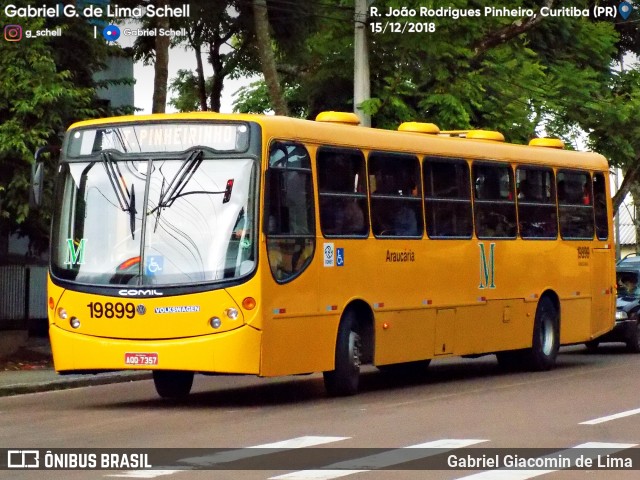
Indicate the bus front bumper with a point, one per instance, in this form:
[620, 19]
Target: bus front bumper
[236, 351]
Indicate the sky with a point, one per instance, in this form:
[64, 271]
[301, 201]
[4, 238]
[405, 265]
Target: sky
[179, 58]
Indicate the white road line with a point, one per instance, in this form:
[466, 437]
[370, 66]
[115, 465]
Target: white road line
[380, 460]
[608, 418]
[240, 454]
[570, 453]
[231, 456]
[144, 473]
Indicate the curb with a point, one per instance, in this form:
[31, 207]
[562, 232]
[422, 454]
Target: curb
[62, 383]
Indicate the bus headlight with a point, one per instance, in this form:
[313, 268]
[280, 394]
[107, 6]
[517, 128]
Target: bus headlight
[215, 322]
[62, 313]
[74, 322]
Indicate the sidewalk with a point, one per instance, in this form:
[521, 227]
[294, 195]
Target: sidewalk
[30, 370]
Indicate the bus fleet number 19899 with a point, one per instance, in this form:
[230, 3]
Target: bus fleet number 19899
[111, 310]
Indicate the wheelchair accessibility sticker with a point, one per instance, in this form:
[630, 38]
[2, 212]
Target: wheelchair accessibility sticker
[340, 257]
[154, 265]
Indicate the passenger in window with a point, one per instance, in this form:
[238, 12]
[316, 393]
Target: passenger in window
[562, 192]
[586, 196]
[524, 190]
[350, 219]
[405, 223]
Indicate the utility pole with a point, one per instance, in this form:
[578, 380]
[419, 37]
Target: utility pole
[361, 82]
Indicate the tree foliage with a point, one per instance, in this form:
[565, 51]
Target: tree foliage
[46, 84]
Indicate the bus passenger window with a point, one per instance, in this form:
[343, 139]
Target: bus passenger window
[396, 203]
[447, 198]
[494, 205]
[342, 192]
[289, 220]
[600, 206]
[575, 208]
[537, 217]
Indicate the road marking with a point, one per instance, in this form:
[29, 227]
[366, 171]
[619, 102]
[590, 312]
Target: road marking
[144, 473]
[608, 418]
[231, 456]
[570, 453]
[242, 453]
[380, 460]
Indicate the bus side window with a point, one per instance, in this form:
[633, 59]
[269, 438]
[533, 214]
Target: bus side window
[289, 221]
[575, 208]
[600, 206]
[447, 198]
[342, 193]
[494, 205]
[396, 197]
[537, 216]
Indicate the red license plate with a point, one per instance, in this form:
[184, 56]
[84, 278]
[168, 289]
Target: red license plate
[141, 359]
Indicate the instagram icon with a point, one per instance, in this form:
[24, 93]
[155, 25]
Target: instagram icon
[13, 33]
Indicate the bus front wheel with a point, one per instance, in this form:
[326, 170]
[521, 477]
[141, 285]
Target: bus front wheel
[546, 338]
[344, 379]
[172, 384]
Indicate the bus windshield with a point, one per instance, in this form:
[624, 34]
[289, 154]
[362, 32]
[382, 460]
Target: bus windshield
[154, 221]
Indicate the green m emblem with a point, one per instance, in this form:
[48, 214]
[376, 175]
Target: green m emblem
[487, 268]
[75, 256]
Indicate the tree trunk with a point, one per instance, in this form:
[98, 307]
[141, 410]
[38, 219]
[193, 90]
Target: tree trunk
[161, 67]
[202, 90]
[631, 177]
[267, 58]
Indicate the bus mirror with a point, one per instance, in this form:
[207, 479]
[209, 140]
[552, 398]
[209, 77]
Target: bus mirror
[37, 184]
[37, 174]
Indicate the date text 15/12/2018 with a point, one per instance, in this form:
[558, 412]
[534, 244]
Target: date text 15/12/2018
[402, 27]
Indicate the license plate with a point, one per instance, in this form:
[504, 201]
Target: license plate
[141, 359]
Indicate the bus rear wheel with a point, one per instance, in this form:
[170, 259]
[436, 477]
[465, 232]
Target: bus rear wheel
[545, 342]
[172, 383]
[546, 338]
[345, 378]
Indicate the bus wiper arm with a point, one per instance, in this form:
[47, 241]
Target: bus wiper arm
[180, 180]
[126, 198]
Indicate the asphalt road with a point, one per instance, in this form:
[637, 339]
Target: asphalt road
[457, 403]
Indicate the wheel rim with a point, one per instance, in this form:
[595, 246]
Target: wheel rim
[354, 351]
[547, 336]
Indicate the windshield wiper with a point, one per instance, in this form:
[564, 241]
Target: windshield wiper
[126, 198]
[179, 181]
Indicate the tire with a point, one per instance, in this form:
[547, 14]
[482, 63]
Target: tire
[172, 384]
[345, 378]
[633, 339]
[592, 345]
[546, 338]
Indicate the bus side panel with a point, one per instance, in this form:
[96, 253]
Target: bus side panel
[497, 325]
[574, 311]
[409, 336]
[298, 336]
[293, 345]
[602, 274]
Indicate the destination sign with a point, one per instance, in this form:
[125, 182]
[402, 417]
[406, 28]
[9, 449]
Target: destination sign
[159, 137]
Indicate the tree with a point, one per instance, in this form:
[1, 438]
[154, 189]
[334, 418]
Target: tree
[267, 59]
[45, 85]
[161, 65]
[212, 30]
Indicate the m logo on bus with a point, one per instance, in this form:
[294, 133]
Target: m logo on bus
[487, 267]
[75, 256]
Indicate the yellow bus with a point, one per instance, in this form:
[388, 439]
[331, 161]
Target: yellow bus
[264, 245]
